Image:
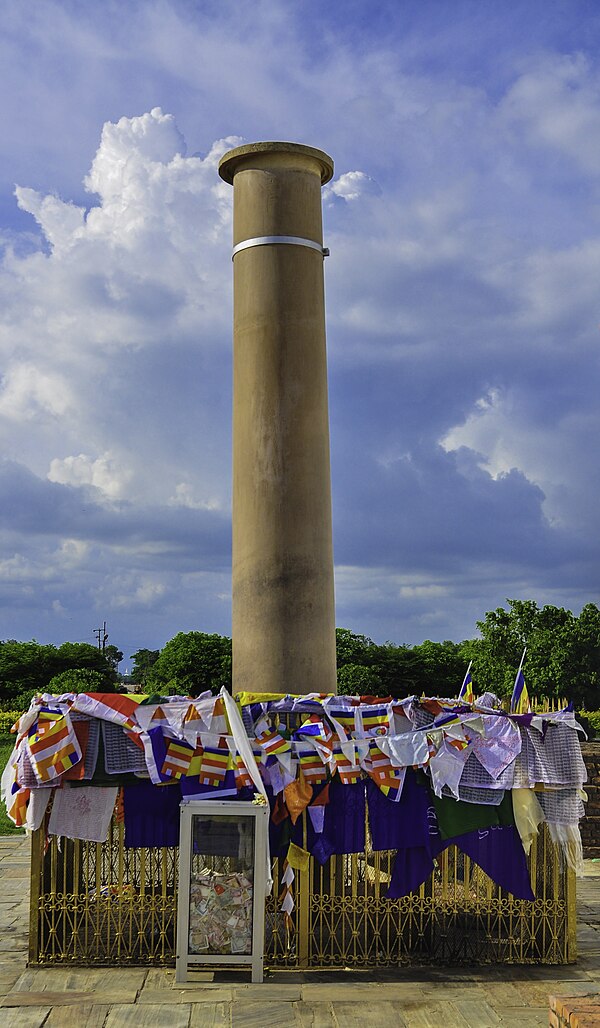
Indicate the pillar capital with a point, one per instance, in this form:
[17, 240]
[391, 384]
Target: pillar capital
[260, 156]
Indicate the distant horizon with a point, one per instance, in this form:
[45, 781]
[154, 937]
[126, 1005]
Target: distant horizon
[356, 631]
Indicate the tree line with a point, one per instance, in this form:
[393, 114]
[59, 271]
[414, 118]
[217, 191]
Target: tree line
[563, 660]
[27, 668]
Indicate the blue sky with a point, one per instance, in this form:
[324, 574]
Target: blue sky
[463, 305]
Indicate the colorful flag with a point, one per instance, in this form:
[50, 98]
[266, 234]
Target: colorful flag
[54, 749]
[315, 728]
[379, 766]
[177, 759]
[344, 718]
[218, 721]
[393, 789]
[214, 766]
[46, 718]
[312, 766]
[108, 706]
[375, 719]
[320, 735]
[195, 765]
[348, 771]
[155, 751]
[17, 811]
[466, 690]
[194, 723]
[159, 718]
[273, 744]
[519, 703]
[242, 776]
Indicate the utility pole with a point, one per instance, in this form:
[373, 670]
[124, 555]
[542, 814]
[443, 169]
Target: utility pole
[101, 636]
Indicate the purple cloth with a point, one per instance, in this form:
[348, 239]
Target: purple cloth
[151, 814]
[405, 823]
[499, 853]
[343, 825]
[192, 788]
[412, 867]
[410, 827]
[498, 850]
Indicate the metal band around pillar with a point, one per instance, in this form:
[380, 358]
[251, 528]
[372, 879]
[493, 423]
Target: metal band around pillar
[278, 240]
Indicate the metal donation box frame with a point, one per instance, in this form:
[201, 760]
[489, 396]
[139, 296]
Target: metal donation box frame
[222, 885]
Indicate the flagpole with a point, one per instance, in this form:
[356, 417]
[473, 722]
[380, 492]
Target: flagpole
[513, 705]
[520, 666]
[465, 678]
[466, 694]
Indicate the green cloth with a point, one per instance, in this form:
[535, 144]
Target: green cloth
[457, 818]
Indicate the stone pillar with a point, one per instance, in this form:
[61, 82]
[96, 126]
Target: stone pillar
[283, 603]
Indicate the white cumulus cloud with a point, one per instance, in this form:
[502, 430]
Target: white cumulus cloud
[102, 473]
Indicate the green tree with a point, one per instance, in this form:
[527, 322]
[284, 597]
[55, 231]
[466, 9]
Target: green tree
[85, 657]
[143, 662]
[80, 680]
[398, 668]
[113, 656]
[563, 651]
[352, 649]
[27, 668]
[442, 667]
[356, 680]
[194, 662]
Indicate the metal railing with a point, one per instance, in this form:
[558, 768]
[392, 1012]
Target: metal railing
[102, 903]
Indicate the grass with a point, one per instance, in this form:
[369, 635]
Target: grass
[7, 743]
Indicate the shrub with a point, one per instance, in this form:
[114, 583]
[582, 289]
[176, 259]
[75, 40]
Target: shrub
[590, 720]
[7, 720]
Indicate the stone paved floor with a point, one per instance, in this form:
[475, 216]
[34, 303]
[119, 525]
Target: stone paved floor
[415, 997]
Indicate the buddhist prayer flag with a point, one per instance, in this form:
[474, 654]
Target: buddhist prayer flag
[393, 788]
[380, 768]
[46, 718]
[17, 811]
[54, 749]
[375, 719]
[218, 721]
[195, 763]
[519, 703]
[348, 771]
[214, 766]
[466, 690]
[193, 722]
[177, 759]
[312, 766]
[273, 744]
[320, 735]
[242, 775]
[377, 763]
[343, 718]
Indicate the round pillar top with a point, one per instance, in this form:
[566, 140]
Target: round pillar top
[231, 161]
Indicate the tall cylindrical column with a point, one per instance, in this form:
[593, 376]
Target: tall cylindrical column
[283, 603]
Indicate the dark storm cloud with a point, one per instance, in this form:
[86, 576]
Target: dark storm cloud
[42, 508]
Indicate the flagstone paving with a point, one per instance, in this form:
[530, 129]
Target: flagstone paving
[407, 997]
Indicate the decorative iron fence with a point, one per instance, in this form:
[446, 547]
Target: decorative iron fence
[102, 903]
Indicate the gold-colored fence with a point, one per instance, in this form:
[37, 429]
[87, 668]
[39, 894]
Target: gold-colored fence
[100, 903]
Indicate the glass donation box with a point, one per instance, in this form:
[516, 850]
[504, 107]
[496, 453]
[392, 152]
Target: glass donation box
[222, 885]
